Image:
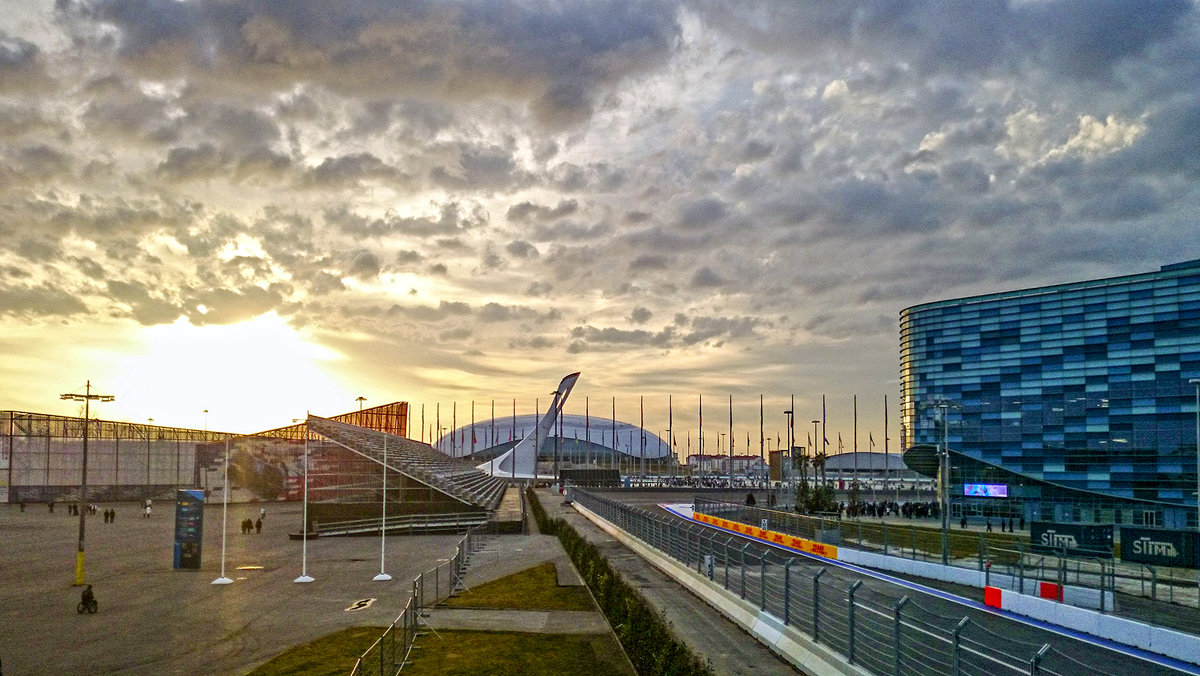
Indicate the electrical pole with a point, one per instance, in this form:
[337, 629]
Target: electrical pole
[87, 399]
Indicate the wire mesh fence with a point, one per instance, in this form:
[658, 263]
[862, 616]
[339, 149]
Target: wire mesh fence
[999, 553]
[882, 630]
[389, 653]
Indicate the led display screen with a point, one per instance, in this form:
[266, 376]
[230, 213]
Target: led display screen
[986, 490]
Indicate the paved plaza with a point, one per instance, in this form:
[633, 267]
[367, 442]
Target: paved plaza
[156, 620]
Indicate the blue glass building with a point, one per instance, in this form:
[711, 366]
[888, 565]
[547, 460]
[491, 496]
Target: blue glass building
[1076, 397]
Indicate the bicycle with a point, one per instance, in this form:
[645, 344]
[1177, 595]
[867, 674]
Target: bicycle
[87, 606]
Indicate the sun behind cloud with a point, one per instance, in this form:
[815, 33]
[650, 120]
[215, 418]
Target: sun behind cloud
[250, 376]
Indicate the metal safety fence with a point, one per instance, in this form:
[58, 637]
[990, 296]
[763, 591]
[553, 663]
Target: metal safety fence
[991, 552]
[389, 653]
[884, 630]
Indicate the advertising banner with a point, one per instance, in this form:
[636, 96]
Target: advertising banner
[189, 529]
[1071, 539]
[1159, 547]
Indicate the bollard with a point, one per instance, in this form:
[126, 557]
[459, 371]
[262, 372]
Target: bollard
[850, 616]
[762, 581]
[742, 563]
[817, 604]
[896, 629]
[1035, 663]
[787, 588]
[955, 667]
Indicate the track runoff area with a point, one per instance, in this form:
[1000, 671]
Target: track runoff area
[1110, 656]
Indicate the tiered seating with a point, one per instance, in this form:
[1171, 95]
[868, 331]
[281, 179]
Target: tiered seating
[456, 478]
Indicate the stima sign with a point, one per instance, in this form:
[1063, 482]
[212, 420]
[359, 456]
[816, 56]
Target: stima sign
[1072, 539]
[1159, 547]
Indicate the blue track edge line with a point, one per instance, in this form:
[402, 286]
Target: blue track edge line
[1133, 651]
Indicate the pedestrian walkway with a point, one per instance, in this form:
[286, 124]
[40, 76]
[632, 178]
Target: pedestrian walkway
[530, 621]
[504, 555]
[703, 628]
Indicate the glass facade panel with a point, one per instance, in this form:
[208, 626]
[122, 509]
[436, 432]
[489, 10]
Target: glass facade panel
[1084, 385]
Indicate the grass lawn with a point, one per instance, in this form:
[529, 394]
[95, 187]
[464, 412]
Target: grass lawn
[331, 655]
[465, 653]
[533, 589]
[476, 652]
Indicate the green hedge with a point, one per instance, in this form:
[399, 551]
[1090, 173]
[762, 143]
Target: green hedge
[642, 630]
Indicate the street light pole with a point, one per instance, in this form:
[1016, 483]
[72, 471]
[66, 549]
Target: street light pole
[791, 461]
[304, 576]
[86, 398]
[224, 516]
[943, 487]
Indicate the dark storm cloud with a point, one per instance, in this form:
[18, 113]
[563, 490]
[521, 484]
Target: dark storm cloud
[350, 170]
[364, 265]
[553, 60]
[21, 67]
[451, 217]
[528, 210]
[146, 309]
[706, 278]
[701, 213]
[229, 306]
[521, 249]
[1084, 40]
[640, 315]
[38, 301]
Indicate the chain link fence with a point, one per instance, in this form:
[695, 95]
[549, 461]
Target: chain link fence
[388, 654]
[884, 631]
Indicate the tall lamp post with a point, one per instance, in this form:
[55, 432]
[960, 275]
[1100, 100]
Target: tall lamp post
[87, 399]
[224, 515]
[814, 453]
[944, 483]
[304, 576]
[791, 461]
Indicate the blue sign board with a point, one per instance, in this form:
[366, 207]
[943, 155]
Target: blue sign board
[189, 529]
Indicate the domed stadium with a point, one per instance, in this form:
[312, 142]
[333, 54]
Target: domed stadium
[582, 440]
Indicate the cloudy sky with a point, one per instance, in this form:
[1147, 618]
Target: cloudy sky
[263, 208]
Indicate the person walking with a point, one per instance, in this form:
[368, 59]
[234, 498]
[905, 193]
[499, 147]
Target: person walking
[258, 526]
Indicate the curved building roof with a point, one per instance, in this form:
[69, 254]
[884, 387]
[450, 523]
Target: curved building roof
[502, 432]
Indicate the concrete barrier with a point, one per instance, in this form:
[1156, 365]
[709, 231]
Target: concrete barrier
[787, 642]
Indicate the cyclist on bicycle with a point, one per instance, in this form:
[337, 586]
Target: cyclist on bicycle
[87, 598]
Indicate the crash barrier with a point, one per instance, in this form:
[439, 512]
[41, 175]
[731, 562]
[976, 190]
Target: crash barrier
[389, 653]
[730, 516]
[1178, 645]
[882, 630]
[984, 552]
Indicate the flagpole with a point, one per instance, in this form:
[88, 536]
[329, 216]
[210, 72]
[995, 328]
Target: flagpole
[762, 440]
[224, 517]
[587, 432]
[855, 440]
[382, 576]
[671, 436]
[731, 493]
[304, 576]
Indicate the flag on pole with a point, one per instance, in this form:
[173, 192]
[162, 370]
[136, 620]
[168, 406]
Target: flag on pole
[839, 442]
[871, 438]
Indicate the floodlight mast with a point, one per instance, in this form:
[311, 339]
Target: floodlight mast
[86, 398]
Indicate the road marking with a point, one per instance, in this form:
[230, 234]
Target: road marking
[360, 604]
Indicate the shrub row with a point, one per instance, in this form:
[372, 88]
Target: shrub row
[642, 630]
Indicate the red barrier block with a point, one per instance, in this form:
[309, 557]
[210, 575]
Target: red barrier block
[1050, 590]
[992, 596]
